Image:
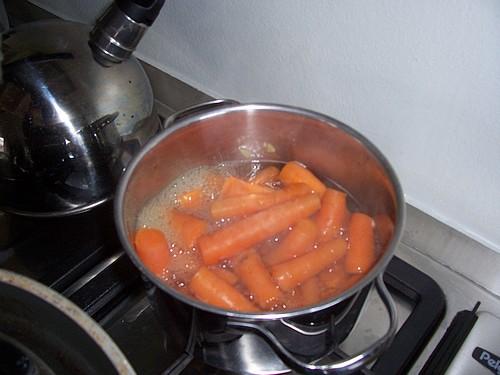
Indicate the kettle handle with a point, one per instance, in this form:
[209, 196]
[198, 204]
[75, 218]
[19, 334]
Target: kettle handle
[343, 366]
[186, 112]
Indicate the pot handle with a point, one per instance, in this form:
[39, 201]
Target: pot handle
[197, 108]
[343, 366]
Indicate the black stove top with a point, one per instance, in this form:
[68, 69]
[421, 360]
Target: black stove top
[81, 258]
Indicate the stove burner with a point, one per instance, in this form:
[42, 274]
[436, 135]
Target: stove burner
[220, 345]
[81, 258]
[168, 341]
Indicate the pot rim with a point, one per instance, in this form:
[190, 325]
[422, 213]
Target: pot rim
[378, 268]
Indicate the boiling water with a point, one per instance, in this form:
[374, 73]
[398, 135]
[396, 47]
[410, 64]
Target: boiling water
[185, 262]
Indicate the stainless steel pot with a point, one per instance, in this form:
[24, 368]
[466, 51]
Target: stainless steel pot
[73, 111]
[253, 132]
[41, 332]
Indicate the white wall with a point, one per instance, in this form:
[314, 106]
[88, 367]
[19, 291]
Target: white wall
[421, 79]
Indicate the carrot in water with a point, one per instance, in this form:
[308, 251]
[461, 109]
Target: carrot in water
[225, 274]
[361, 253]
[152, 247]
[265, 175]
[350, 281]
[296, 271]
[384, 228]
[294, 299]
[243, 234]
[188, 228]
[311, 291]
[338, 280]
[212, 184]
[247, 204]
[300, 239]
[334, 277]
[233, 187]
[256, 277]
[331, 216]
[211, 289]
[192, 199]
[241, 205]
[294, 172]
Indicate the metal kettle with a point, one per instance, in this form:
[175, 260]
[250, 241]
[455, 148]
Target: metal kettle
[75, 106]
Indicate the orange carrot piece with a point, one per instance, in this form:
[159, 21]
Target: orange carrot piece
[214, 181]
[188, 228]
[337, 280]
[331, 216]
[296, 271]
[311, 291]
[152, 247]
[300, 239]
[294, 172]
[265, 175]
[361, 253]
[238, 236]
[225, 274]
[211, 289]
[212, 185]
[334, 277]
[250, 203]
[233, 187]
[256, 277]
[192, 199]
[384, 229]
[294, 299]
[241, 205]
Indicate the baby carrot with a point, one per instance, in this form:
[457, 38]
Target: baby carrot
[294, 299]
[187, 228]
[338, 280]
[294, 272]
[256, 277]
[311, 291]
[238, 236]
[192, 199]
[211, 289]
[241, 205]
[247, 204]
[266, 175]
[331, 216]
[300, 239]
[361, 253]
[334, 277]
[152, 247]
[384, 228]
[234, 186]
[225, 274]
[294, 172]
[213, 183]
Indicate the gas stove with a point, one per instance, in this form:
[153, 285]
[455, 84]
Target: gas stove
[80, 257]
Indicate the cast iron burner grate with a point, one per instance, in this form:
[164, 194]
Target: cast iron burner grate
[153, 347]
[81, 258]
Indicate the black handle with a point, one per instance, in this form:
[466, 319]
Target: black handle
[141, 11]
